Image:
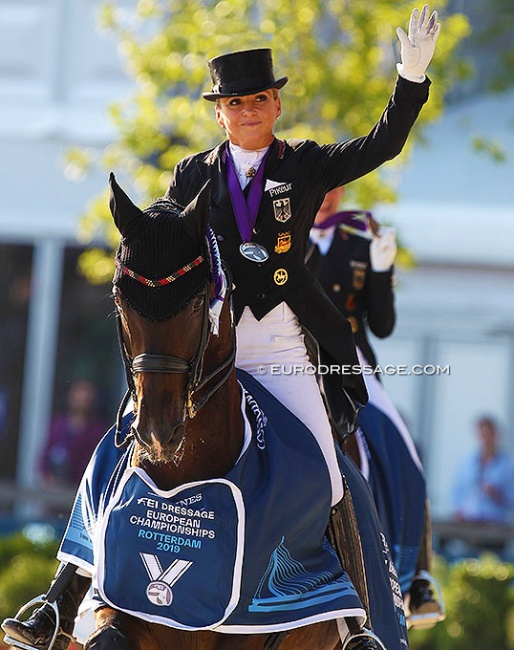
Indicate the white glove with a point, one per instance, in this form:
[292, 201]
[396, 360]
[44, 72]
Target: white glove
[417, 49]
[382, 250]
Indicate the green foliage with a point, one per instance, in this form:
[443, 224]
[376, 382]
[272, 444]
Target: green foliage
[479, 600]
[26, 570]
[492, 148]
[340, 58]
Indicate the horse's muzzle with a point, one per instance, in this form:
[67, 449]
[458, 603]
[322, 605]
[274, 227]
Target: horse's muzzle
[160, 445]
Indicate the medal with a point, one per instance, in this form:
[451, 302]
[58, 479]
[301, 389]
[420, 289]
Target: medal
[254, 252]
[245, 210]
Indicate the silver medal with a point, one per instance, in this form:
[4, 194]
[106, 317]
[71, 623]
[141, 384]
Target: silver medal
[253, 251]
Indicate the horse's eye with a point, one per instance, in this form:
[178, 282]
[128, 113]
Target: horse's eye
[198, 303]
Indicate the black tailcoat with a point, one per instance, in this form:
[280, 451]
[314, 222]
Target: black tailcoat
[298, 174]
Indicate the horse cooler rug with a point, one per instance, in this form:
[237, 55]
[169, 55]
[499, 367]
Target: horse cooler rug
[245, 553]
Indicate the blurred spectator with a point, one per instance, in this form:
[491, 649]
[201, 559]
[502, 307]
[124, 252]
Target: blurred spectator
[484, 487]
[15, 289]
[72, 436]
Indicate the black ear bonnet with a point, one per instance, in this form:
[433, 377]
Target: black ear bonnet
[155, 247]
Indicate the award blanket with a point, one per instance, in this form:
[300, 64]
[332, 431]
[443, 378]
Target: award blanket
[245, 553]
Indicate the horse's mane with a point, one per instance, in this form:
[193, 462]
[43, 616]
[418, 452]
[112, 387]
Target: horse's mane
[156, 247]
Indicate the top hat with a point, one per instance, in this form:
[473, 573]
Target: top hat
[242, 73]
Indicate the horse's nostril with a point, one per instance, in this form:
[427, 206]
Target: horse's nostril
[177, 433]
[166, 438]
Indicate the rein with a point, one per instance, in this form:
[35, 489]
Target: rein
[159, 363]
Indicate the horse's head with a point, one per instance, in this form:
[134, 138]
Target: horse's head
[162, 289]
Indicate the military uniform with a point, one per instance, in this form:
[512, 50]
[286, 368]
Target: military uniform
[365, 297]
[298, 174]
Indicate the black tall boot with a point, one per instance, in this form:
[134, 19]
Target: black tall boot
[424, 602]
[37, 631]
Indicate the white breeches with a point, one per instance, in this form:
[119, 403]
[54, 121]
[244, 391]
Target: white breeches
[269, 350]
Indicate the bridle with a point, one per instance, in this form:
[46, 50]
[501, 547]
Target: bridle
[163, 363]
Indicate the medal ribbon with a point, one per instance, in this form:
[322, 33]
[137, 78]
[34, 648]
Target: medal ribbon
[357, 219]
[245, 210]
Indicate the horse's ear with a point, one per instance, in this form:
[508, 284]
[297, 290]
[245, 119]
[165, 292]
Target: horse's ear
[196, 215]
[125, 213]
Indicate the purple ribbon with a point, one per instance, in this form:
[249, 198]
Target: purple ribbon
[245, 210]
[358, 219]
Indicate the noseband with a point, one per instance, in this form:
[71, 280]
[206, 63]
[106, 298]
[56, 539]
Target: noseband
[163, 363]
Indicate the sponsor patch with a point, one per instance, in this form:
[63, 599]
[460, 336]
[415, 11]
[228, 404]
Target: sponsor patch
[275, 188]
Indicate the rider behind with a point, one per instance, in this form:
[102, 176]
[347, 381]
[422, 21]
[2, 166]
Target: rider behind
[353, 258]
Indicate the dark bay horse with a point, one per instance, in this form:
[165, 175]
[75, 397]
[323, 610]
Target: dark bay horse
[184, 389]
[186, 432]
[187, 428]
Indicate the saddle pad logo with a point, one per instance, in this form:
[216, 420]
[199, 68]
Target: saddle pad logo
[159, 591]
[282, 209]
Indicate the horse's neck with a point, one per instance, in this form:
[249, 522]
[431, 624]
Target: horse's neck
[217, 432]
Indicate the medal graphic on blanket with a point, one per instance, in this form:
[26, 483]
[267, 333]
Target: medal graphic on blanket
[159, 591]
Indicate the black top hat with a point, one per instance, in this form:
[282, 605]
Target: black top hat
[242, 73]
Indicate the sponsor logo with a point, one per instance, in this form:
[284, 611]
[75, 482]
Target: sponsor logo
[275, 189]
